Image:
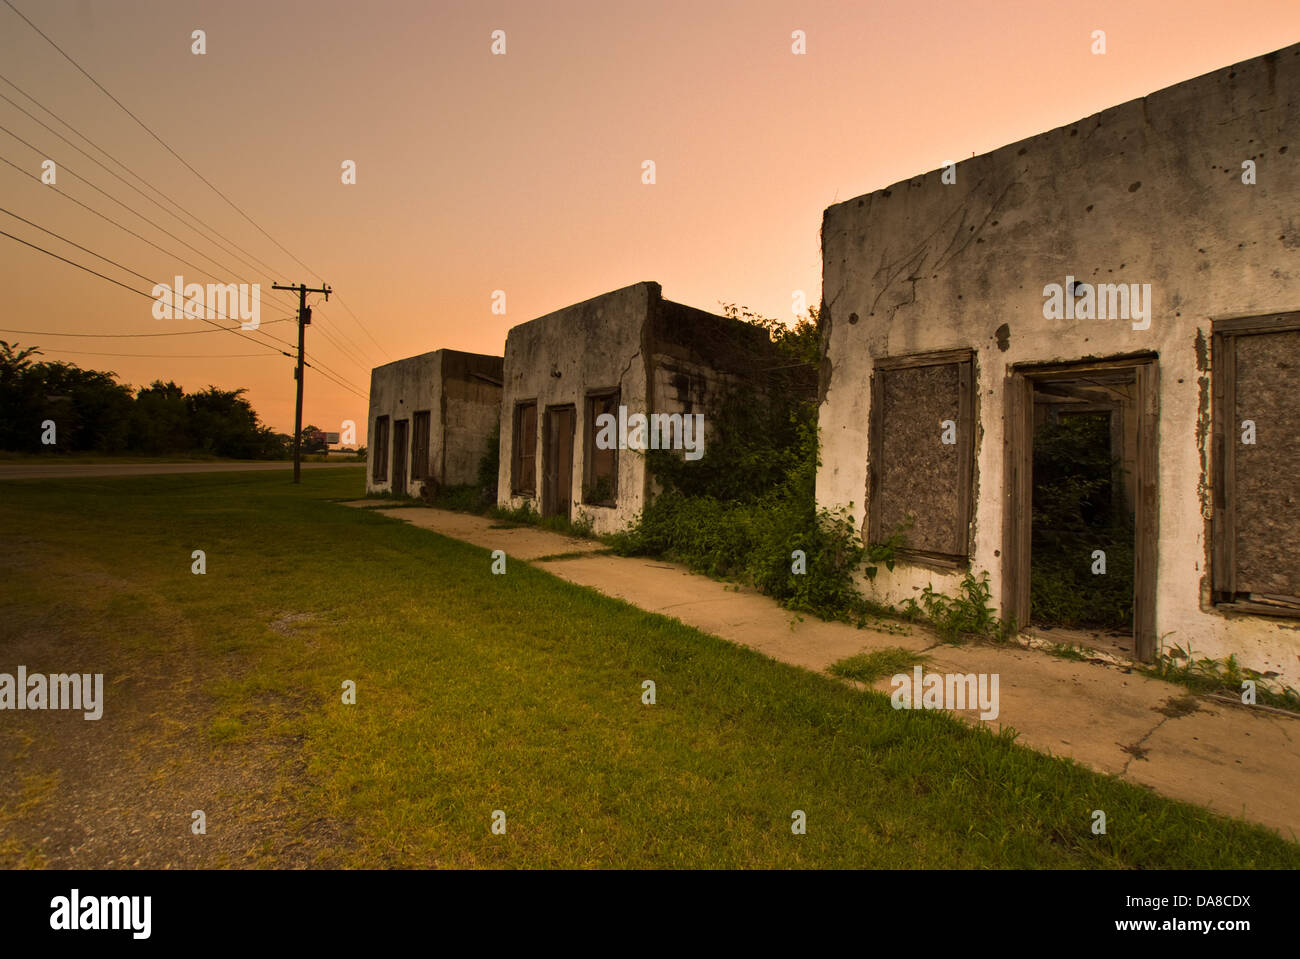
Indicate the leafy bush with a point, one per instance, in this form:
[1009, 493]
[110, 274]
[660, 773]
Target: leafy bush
[969, 614]
[743, 510]
[489, 465]
[1222, 676]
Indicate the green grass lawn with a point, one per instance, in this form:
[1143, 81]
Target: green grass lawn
[522, 693]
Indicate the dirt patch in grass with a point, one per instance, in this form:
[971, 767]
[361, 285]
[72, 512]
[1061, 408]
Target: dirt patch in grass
[120, 791]
[290, 624]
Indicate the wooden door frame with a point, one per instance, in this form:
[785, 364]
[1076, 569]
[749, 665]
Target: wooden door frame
[401, 455]
[547, 504]
[1018, 489]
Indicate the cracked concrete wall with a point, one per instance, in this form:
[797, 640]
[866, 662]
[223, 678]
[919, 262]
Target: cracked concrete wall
[662, 356]
[1149, 191]
[462, 411]
[398, 390]
[558, 359]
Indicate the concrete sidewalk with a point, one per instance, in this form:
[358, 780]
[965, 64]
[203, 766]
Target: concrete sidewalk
[1238, 761]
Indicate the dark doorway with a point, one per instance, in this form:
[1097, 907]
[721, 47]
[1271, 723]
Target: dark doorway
[1081, 521]
[399, 456]
[557, 461]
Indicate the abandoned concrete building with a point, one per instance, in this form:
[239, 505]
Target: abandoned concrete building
[431, 417]
[1074, 363]
[627, 366]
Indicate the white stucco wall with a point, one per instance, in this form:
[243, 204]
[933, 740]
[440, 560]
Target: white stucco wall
[593, 345]
[397, 390]
[462, 411]
[1147, 192]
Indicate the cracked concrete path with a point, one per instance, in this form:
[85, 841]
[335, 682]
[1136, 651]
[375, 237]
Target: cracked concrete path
[1237, 761]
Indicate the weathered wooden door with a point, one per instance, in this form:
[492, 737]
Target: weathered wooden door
[399, 456]
[557, 461]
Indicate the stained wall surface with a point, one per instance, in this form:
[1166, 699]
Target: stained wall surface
[1148, 192]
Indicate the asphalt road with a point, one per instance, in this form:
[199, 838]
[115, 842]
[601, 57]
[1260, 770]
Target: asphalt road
[31, 470]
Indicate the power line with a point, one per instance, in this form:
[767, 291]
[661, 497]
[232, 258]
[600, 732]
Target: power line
[107, 260]
[72, 243]
[126, 287]
[342, 350]
[67, 169]
[335, 376]
[169, 149]
[118, 176]
[268, 271]
[324, 371]
[182, 160]
[105, 216]
[132, 232]
[160, 140]
[129, 335]
[163, 356]
[343, 303]
[329, 338]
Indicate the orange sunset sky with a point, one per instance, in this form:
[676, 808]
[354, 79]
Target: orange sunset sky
[519, 172]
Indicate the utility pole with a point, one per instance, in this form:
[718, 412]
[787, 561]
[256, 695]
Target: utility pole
[304, 317]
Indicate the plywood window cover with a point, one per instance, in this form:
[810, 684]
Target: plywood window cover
[380, 473]
[421, 435]
[964, 359]
[518, 475]
[589, 448]
[1223, 565]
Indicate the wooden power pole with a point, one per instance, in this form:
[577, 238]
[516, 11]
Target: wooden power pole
[304, 317]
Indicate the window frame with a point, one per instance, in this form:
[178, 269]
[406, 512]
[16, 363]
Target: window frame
[964, 360]
[589, 446]
[1224, 593]
[517, 454]
[383, 432]
[421, 444]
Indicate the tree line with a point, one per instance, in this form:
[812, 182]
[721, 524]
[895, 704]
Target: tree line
[92, 412]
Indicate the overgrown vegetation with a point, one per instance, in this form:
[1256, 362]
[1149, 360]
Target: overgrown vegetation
[970, 613]
[477, 497]
[526, 515]
[747, 510]
[1079, 508]
[1226, 676]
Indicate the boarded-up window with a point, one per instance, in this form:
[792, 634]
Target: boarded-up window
[380, 453]
[600, 479]
[1257, 475]
[420, 445]
[523, 465]
[922, 450]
